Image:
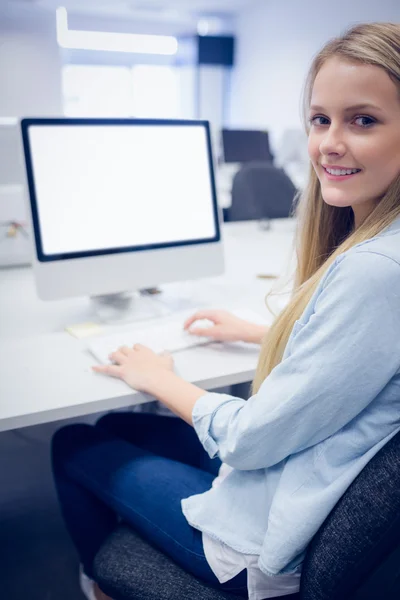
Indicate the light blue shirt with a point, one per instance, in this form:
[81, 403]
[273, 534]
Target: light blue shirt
[318, 418]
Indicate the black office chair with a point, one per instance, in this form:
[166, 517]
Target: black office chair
[260, 191]
[355, 555]
[245, 145]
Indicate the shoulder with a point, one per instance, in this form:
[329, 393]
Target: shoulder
[360, 277]
[367, 276]
[385, 244]
[373, 262]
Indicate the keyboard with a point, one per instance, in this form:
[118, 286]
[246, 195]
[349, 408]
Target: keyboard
[167, 335]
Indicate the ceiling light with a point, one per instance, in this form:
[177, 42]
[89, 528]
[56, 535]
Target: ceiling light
[112, 42]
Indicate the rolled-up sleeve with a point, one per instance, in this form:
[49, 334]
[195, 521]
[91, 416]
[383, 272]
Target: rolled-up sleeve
[203, 414]
[339, 362]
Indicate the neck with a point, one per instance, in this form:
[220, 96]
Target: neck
[361, 213]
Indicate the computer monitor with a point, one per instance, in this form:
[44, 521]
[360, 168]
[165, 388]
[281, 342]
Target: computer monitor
[120, 204]
[245, 145]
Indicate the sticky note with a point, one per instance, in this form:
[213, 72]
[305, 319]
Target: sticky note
[266, 276]
[82, 330]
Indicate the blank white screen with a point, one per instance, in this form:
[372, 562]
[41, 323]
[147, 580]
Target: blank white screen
[113, 186]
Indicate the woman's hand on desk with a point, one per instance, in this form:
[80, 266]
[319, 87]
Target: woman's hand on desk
[225, 327]
[145, 371]
[138, 366]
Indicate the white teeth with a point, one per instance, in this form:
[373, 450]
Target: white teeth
[341, 171]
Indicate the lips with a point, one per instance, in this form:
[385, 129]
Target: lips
[340, 175]
[337, 171]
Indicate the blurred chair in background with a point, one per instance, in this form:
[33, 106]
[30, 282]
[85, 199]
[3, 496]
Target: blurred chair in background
[260, 191]
[292, 156]
[245, 145]
[238, 147]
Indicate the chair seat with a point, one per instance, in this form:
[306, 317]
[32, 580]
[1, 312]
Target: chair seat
[355, 555]
[128, 568]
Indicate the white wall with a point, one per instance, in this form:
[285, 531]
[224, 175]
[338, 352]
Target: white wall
[276, 40]
[30, 85]
[211, 86]
[30, 67]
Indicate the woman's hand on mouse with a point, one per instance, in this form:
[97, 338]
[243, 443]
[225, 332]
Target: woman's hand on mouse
[225, 327]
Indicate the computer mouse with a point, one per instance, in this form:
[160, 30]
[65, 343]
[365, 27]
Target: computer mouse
[201, 324]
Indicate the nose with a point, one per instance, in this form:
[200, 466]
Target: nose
[332, 142]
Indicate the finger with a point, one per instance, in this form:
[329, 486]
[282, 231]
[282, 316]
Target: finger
[201, 314]
[124, 350]
[117, 357]
[204, 332]
[142, 348]
[111, 370]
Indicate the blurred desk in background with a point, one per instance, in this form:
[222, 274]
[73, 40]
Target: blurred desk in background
[15, 245]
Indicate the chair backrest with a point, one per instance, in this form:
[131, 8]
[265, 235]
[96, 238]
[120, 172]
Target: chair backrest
[261, 191]
[245, 145]
[353, 554]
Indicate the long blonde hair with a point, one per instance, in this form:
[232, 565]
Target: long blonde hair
[324, 232]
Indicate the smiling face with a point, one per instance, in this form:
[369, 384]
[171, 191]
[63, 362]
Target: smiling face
[354, 139]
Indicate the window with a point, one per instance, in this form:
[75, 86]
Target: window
[94, 91]
[153, 91]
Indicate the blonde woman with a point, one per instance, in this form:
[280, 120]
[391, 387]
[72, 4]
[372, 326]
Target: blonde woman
[326, 395]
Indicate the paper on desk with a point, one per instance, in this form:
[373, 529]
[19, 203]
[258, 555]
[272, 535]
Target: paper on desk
[82, 330]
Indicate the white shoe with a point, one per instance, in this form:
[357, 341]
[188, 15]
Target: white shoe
[86, 584]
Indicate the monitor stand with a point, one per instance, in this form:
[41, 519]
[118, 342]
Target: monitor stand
[125, 307]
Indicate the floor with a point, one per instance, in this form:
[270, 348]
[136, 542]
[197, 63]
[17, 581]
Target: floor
[37, 559]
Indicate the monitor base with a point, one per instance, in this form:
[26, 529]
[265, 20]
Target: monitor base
[127, 307]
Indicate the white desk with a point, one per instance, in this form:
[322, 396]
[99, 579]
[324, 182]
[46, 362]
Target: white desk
[45, 374]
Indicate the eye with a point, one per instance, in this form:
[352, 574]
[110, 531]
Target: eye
[364, 121]
[319, 120]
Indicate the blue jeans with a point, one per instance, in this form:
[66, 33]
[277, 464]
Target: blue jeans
[135, 467]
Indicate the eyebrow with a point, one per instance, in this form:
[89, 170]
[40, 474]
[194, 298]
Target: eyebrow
[350, 108]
